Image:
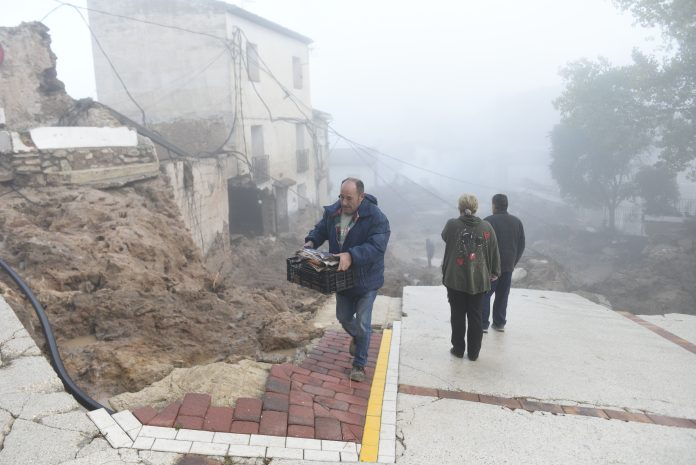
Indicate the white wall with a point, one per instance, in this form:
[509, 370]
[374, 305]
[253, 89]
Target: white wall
[205, 207]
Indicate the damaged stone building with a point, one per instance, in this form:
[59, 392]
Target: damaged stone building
[229, 93]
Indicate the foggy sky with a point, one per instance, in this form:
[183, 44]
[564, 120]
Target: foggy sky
[435, 82]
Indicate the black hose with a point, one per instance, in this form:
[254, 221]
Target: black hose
[70, 386]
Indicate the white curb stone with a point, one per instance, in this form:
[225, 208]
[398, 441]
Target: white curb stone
[172, 445]
[284, 453]
[268, 441]
[246, 451]
[232, 438]
[323, 455]
[209, 448]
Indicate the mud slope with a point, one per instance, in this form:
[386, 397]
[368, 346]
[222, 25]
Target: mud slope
[127, 292]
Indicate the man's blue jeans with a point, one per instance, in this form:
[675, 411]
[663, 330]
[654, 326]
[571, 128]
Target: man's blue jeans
[355, 315]
[501, 288]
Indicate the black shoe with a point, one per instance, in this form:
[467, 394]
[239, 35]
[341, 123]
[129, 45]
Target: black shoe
[456, 354]
[498, 328]
[357, 374]
[472, 357]
[351, 348]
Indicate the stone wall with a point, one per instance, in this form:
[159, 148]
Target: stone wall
[97, 166]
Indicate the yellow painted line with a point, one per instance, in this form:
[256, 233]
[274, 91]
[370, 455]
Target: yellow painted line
[373, 421]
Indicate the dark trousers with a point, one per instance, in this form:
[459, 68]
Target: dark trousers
[501, 288]
[465, 307]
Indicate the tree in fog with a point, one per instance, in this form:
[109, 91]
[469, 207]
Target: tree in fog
[604, 134]
[657, 186]
[672, 96]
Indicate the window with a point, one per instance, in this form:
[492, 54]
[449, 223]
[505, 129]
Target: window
[252, 53]
[301, 152]
[297, 72]
[259, 160]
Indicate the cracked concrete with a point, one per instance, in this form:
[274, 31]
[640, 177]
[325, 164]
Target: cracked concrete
[40, 423]
[557, 347]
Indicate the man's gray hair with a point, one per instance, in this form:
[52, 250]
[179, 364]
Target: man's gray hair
[358, 184]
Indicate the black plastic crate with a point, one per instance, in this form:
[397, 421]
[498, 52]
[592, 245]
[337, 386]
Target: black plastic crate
[326, 281]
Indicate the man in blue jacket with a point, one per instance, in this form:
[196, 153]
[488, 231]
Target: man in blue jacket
[358, 233]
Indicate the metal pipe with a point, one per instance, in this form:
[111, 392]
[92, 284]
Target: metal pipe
[70, 386]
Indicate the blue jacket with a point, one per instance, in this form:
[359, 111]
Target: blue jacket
[366, 242]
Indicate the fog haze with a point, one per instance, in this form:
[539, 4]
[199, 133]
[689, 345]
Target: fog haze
[451, 86]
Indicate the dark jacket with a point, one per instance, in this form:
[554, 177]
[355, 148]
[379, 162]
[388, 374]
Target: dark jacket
[366, 242]
[471, 255]
[510, 233]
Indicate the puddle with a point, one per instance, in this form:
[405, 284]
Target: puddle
[80, 341]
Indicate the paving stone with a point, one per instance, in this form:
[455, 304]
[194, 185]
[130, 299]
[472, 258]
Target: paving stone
[183, 421]
[332, 403]
[244, 427]
[347, 417]
[218, 419]
[275, 401]
[207, 448]
[327, 428]
[418, 391]
[195, 405]
[274, 384]
[167, 416]
[305, 379]
[351, 399]
[145, 414]
[300, 371]
[534, 406]
[342, 388]
[194, 435]
[318, 391]
[232, 438]
[627, 416]
[303, 443]
[283, 371]
[172, 445]
[503, 401]
[273, 423]
[672, 421]
[321, 411]
[364, 393]
[301, 415]
[386, 458]
[299, 431]
[387, 447]
[326, 378]
[352, 433]
[101, 419]
[247, 409]
[349, 457]
[322, 455]
[246, 451]
[359, 409]
[586, 411]
[284, 453]
[301, 398]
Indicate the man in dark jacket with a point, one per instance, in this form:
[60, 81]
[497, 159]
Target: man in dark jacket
[358, 233]
[510, 234]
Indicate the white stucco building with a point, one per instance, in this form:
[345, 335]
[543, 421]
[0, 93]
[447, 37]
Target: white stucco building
[229, 87]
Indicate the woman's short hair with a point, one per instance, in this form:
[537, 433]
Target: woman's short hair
[468, 202]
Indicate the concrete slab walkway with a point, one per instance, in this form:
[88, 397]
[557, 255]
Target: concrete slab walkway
[569, 381]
